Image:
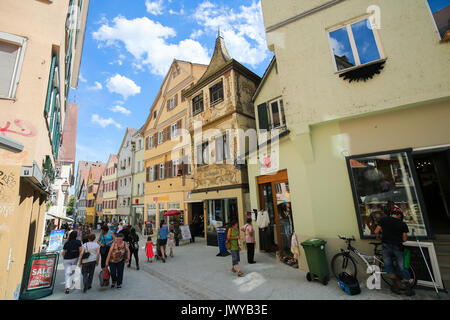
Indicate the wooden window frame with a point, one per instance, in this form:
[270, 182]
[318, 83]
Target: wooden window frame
[213, 90]
[200, 99]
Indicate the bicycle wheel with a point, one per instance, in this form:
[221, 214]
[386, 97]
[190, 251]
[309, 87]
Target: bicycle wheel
[343, 262]
[394, 282]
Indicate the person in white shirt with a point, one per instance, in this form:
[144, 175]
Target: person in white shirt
[88, 264]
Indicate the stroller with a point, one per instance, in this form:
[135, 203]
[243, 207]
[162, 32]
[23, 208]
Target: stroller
[158, 250]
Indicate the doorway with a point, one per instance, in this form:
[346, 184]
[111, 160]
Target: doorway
[433, 171]
[275, 198]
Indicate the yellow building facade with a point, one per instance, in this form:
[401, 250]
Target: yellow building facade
[366, 123]
[167, 148]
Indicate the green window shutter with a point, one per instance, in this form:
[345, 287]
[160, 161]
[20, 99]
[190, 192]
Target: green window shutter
[52, 112]
[263, 117]
[50, 85]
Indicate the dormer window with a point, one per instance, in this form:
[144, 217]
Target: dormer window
[216, 93]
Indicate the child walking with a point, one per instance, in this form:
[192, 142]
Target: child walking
[149, 249]
[171, 241]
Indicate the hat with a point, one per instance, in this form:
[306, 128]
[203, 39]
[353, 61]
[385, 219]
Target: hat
[396, 210]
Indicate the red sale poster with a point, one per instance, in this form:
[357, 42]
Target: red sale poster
[41, 273]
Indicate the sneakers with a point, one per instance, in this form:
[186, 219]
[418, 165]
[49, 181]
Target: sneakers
[119, 286]
[67, 291]
[113, 285]
[240, 274]
[137, 268]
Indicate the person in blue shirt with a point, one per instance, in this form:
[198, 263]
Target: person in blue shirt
[163, 232]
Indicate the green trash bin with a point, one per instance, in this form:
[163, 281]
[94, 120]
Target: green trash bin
[317, 260]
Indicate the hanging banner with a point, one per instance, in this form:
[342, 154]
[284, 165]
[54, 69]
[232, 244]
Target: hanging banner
[56, 240]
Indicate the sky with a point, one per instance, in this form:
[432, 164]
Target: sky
[129, 48]
[436, 5]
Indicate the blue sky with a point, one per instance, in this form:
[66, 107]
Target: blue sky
[129, 48]
[437, 5]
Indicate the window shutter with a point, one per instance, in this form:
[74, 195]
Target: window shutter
[176, 99]
[146, 143]
[147, 174]
[168, 105]
[157, 172]
[263, 117]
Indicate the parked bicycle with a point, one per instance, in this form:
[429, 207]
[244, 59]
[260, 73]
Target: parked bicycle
[345, 262]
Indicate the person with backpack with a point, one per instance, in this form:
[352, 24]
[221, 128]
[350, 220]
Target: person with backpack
[71, 252]
[106, 240]
[118, 255]
[133, 241]
[88, 260]
[393, 233]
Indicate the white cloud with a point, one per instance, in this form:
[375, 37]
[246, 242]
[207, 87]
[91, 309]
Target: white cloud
[178, 13]
[104, 122]
[81, 78]
[154, 7]
[196, 34]
[147, 41]
[98, 86]
[120, 109]
[123, 86]
[243, 31]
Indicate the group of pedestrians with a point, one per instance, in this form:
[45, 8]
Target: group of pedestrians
[112, 250]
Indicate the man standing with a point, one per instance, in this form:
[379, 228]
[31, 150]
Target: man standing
[394, 233]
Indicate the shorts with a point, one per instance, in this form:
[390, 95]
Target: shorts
[235, 257]
[162, 242]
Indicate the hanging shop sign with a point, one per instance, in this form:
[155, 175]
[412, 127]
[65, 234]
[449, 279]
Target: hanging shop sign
[40, 276]
[56, 240]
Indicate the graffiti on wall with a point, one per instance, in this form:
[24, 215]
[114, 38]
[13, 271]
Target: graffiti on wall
[18, 127]
[8, 184]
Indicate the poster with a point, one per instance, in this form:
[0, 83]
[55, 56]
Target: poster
[185, 232]
[56, 240]
[41, 273]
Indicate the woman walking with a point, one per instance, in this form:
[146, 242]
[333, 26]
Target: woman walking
[249, 240]
[106, 240]
[71, 252]
[88, 264]
[233, 239]
[163, 232]
[134, 247]
[117, 257]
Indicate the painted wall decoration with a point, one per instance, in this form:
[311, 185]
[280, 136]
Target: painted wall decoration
[17, 127]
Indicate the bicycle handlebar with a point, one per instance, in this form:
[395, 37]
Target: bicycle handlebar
[347, 239]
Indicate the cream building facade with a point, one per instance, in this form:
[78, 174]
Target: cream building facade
[39, 60]
[110, 189]
[138, 182]
[367, 123]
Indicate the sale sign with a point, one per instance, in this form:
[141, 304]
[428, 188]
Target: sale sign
[41, 273]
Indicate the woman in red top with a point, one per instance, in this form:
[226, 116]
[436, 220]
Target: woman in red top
[149, 249]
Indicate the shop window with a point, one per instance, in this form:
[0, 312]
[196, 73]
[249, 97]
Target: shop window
[440, 10]
[355, 45]
[197, 104]
[12, 49]
[381, 181]
[221, 212]
[216, 93]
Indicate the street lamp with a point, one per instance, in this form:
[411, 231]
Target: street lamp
[65, 187]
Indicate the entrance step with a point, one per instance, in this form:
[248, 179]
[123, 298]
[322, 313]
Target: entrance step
[443, 258]
[442, 247]
[446, 280]
[443, 238]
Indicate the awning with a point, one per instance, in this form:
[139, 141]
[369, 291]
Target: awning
[193, 201]
[172, 213]
[58, 217]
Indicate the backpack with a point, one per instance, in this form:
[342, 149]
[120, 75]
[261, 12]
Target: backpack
[349, 284]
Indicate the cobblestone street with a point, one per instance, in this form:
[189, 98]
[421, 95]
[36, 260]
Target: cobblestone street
[196, 273]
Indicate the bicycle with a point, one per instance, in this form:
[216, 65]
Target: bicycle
[344, 262]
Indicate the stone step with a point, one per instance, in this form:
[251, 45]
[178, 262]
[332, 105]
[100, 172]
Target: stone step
[446, 280]
[443, 258]
[443, 237]
[442, 247]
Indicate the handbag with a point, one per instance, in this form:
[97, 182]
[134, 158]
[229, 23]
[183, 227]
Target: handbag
[86, 253]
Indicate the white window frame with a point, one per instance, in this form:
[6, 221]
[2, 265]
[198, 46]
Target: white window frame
[150, 142]
[151, 174]
[175, 165]
[351, 38]
[160, 137]
[282, 123]
[22, 43]
[172, 103]
[173, 131]
[161, 171]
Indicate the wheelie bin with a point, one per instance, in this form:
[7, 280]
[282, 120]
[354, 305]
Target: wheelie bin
[317, 260]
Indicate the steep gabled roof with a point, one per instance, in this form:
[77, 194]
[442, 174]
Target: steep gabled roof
[220, 57]
[130, 131]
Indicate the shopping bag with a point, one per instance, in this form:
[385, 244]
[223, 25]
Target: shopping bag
[104, 276]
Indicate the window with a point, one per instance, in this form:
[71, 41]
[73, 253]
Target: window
[160, 137]
[216, 93]
[151, 173]
[202, 153]
[161, 171]
[151, 213]
[197, 104]
[222, 149]
[139, 144]
[380, 181]
[150, 142]
[154, 114]
[440, 10]
[277, 116]
[172, 102]
[175, 166]
[355, 44]
[12, 49]
[129, 161]
[173, 131]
